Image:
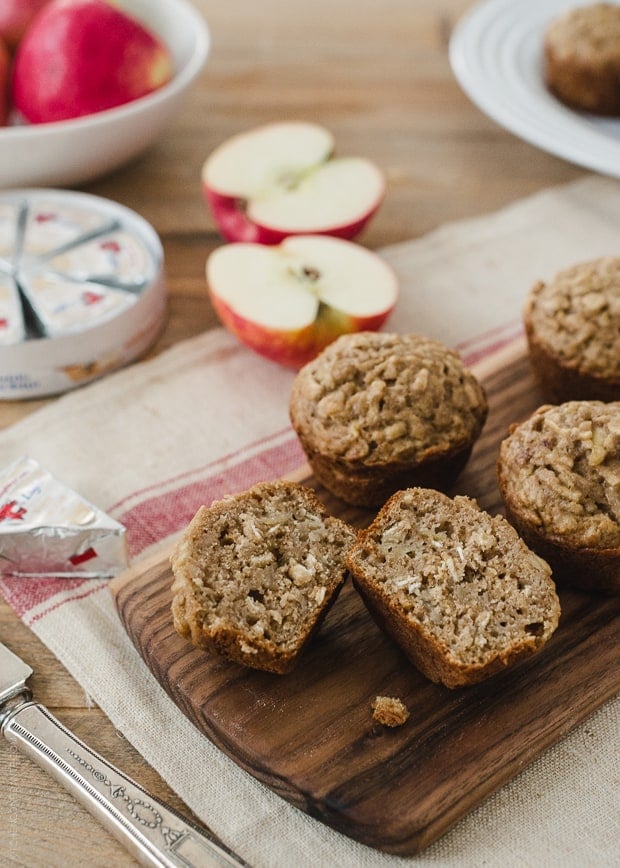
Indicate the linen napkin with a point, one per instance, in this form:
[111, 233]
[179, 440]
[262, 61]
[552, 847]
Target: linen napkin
[149, 444]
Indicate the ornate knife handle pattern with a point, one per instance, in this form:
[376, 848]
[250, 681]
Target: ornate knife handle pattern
[132, 804]
[150, 830]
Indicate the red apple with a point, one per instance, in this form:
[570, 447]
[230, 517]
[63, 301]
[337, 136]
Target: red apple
[5, 77]
[281, 179]
[79, 57]
[15, 17]
[288, 302]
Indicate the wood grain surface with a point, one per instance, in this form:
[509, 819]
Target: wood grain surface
[310, 735]
[378, 75]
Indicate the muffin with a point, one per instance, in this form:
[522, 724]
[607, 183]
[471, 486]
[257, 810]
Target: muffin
[573, 330]
[582, 58]
[456, 588]
[255, 574]
[559, 477]
[379, 412]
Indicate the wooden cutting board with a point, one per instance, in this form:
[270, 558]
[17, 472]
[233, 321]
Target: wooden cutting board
[310, 737]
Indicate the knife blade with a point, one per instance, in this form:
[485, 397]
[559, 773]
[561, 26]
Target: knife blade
[152, 832]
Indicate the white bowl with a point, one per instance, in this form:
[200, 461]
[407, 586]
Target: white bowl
[76, 151]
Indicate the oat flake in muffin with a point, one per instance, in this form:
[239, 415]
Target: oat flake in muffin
[573, 328]
[559, 475]
[373, 409]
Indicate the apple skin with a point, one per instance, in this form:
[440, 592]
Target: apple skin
[15, 17]
[5, 77]
[235, 225]
[295, 348]
[289, 302]
[80, 57]
[283, 179]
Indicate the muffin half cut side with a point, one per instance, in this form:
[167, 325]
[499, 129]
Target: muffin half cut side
[456, 588]
[255, 574]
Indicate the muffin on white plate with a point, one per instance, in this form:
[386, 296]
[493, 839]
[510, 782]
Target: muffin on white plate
[582, 58]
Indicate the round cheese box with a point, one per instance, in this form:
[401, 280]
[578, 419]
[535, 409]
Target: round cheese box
[82, 290]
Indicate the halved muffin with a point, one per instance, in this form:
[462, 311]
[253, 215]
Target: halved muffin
[456, 588]
[255, 574]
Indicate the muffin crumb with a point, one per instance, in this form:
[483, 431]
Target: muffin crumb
[389, 711]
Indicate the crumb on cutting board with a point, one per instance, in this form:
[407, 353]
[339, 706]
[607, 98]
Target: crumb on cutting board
[389, 711]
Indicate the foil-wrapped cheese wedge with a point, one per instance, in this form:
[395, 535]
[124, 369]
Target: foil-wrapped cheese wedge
[12, 328]
[118, 258]
[47, 529]
[9, 220]
[63, 306]
[53, 223]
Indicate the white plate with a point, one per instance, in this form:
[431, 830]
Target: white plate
[496, 55]
[75, 151]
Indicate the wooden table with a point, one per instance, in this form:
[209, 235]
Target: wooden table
[376, 74]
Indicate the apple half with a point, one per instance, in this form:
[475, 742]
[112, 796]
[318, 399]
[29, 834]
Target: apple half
[288, 302]
[281, 179]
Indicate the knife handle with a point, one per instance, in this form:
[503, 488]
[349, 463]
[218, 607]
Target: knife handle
[153, 833]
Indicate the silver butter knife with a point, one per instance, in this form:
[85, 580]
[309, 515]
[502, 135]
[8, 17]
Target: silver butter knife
[152, 832]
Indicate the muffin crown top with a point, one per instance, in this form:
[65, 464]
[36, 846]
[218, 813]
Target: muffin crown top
[576, 316]
[587, 33]
[561, 471]
[375, 398]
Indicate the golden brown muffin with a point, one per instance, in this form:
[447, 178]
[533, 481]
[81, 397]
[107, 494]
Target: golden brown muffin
[255, 574]
[573, 330]
[378, 412]
[559, 476]
[457, 589]
[582, 58]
